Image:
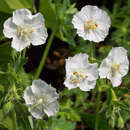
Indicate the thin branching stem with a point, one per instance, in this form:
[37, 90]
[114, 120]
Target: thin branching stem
[45, 55]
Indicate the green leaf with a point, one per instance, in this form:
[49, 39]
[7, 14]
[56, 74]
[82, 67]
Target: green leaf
[4, 7]
[90, 120]
[31, 121]
[6, 121]
[14, 4]
[5, 55]
[49, 14]
[3, 17]
[8, 107]
[9, 5]
[62, 124]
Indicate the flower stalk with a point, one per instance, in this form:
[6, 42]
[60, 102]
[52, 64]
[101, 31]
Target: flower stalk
[92, 51]
[92, 55]
[45, 55]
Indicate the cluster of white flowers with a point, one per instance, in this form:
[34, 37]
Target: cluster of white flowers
[25, 28]
[81, 73]
[92, 24]
[41, 98]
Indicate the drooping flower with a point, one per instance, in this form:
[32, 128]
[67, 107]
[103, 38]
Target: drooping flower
[80, 73]
[115, 66]
[92, 23]
[41, 98]
[25, 28]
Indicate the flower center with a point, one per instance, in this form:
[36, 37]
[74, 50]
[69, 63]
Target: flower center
[115, 67]
[90, 25]
[78, 76]
[38, 102]
[24, 31]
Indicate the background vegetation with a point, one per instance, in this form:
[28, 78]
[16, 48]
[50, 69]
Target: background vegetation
[77, 108]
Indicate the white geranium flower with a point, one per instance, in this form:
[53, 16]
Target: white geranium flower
[25, 28]
[115, 66]
[80, 73]
[41, 98]
[92, 23]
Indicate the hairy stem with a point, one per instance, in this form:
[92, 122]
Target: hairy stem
[92, 51]
[45, 55]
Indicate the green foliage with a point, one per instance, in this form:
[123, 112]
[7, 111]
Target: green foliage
[7, 6]
[121, 22]
[49, 14]
[62, 124]
[5, 122]
[116, 110]
[75, 105]
[90, 120]
[65, 11]
[5, 55]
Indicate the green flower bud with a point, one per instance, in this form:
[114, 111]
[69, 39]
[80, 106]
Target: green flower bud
[113, 95]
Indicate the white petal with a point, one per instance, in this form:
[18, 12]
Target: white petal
[19, 44]
[116, 80]
[83, 34]
[29, 96]
[52, 108]
[104, 68]
[89, 11]
[10, 29]
[124, 69]
[100, 34]
[42, 89]
[51, 94]
[39, 87]
[92, 71]
[20, 16]
[37, 21]
[102, 19]
[37, 112]
[69, 84]
[87, 85]
[118, 54]
[76, 62]
[39, 36]
[78, 21]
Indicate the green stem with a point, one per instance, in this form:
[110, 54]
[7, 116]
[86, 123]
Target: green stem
[24, 53]
[97, 110]
[14, 120]
[92, 51]
[44, 55]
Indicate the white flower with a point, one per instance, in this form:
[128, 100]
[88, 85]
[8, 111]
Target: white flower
[80, 73]
[25, 28]
[115, 66]
[92, 23]
[41, 98]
